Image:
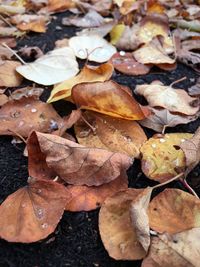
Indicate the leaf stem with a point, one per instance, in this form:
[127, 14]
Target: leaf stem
[169, 181]
[14, 53]
[190, 189]
[178, 81]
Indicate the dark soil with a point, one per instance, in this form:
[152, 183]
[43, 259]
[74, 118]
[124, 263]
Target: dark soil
[76, 241]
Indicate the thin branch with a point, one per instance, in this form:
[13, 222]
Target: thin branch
[169, 181]
[14, 53]
[190, 189]
[178, 81]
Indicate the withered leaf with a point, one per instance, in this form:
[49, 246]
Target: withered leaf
[8, 75]
[85, 198]
[160, 158]
[73, 163]
[110, 133]
[191, 149]
[88, 74]
[125, 63]
[160, 119]
[116, 229]
[139, 217]
[32, 212]
[27, 114]
[174, 211]
[108, 98]
[174, 100]
[178, 250]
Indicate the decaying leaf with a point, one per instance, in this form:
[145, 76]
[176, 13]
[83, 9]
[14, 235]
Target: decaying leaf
[152, 54]
[73, 163]
[32, 212]
[88, 74]
[27, 114]
[174, 211]
[8, 75]
[54, 67]
[116, 229]
[85, 198]
[178, 250]
[125, 63]
[93, 47]
[160, 119]
[195, 89]
[191, 149]
[3, 99]
[140, 219]
[26, 22]
[91, 19]
[160, 158]
[108, 98]
[110, 133]
[174, 100]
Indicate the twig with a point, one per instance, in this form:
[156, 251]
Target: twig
[91, 127]
[169, 181]
[14, 53]
[178, 81]
[190, 189]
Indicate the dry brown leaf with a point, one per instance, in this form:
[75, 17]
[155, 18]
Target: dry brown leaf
[195, 89]
[151, 53]
[58, 6]
[85, 198]
[108, 98]
[5, 53]
[116, 229]
[8, 75]
[178, 250]
[191, 149]
[27, 114]
[26, 22]
[73, 163]
[110, 133]
[32, 212]
[10, 41]
[160, 158]
[125, 63]
[174, 100]
[174, 211]
[88, 74]
[3, 99]
[160, 119]
[140, 219]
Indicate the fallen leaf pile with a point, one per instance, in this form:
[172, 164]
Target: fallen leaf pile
[79, 162]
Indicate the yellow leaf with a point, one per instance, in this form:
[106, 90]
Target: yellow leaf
[116, 33]
[88, 74]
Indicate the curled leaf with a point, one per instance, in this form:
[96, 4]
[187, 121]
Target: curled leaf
[108, 98]
[174, 100]
[88, 74]
[116, 229]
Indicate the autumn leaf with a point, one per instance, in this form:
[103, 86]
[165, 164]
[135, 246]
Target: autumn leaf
[39, 205]
[86, 198]
[8, 75]
[54, 67]
[73, 163]
[160, 119]
[160, 158]
[88, 74]
[191, 149]
[108, 98]
[178, 250]
[27, 114]
[139, 217]
[174, 211]
[116, 229]
[125, 63]
[174, 100]
[110, 133]
[93, 47]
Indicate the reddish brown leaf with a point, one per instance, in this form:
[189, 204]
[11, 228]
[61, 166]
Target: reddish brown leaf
[75, 164]
[125, 63]
[85, 198]
[32, 212]
[108, 98]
